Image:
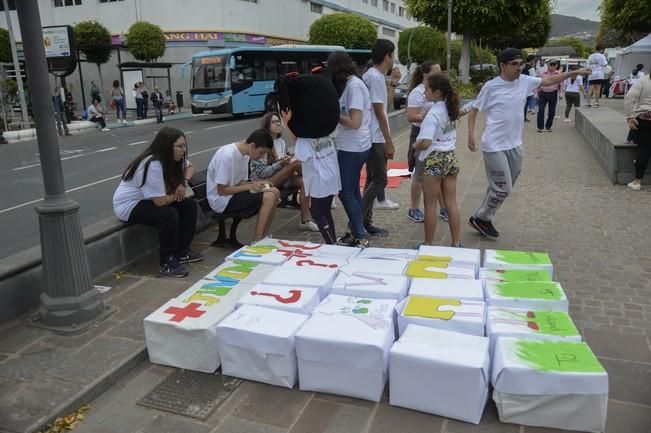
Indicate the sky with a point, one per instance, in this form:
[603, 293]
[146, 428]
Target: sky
[586, 9]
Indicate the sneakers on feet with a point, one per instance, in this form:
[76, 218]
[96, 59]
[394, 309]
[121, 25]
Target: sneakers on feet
[485, 228]
[416, 215]
[443, 214]
[191, 257]
[360, 243]
[386, 204]
[172, 268]
[566, 120]
[634, 186]
[374, 230]
[459, 245]
[333, 205]
[105, 129]
[308, 226]
[347, 240]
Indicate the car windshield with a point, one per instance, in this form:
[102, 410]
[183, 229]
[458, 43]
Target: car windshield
[210, 73]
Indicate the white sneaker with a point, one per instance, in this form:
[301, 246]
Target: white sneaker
[567, 120]
[634, 186]
[105, 129]
[334, 204]
[386, 204]
[308, 226]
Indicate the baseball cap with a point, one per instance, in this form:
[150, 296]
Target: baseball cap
[508, 54]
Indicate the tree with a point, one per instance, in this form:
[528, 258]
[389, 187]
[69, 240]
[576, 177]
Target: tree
[480, 18]
[626, 15]
[5, 47]
[146, 41]
[581, 49]
[345, 29]
[418, 44]
[94, 41]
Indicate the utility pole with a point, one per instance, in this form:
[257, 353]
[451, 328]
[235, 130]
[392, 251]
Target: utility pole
[69, 301]
[449, 53]
[14, 55]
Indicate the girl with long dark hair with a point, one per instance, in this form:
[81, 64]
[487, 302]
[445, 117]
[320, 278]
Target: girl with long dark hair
[153, 192]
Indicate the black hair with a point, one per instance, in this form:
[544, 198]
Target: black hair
[440, 81]
[261, 138]
[116, 83]
[420, 72]
[342, 67]
[599, 47]
[381, 49]
[162, 150]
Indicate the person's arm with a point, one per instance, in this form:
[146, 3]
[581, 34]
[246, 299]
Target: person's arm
[551, 80]
[164, 200]
[415, 114]
[391, 86]
[472, 117]
[381, 116]
[244, 186]
[260, 169]
[353, 120]
[631, 97]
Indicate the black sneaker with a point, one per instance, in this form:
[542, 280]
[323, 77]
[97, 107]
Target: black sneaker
[190, 257]
[374, 230]
[360, 243]
[347, 240]
[173, 268]
[486, 228]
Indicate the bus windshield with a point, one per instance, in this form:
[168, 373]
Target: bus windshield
[210, 72]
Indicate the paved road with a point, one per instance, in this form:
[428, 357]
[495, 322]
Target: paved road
[92, 164]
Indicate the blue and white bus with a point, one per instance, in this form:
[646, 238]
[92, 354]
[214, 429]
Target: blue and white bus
[239, 80]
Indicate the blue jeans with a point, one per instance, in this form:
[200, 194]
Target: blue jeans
[350, 167]
[531, 102]
[140, 108]
[120, 108]
[547, 99]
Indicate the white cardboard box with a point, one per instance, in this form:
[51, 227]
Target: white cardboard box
[260, 253]
[387, 253]
[317, 272]
[234, 272]
[344, 347]
[536, 324]
[183, 332]
[505, 259]
[384, 266]
[311, 249]
[440, 372]
[370, 284]
[470, 290]
[531, 295]
[288, 298]
[513, 275]
[463, 257]
[549, 383]
[447, 314]
[429, 269]
[257, 343]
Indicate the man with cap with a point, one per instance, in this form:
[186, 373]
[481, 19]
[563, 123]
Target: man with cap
[502, 98]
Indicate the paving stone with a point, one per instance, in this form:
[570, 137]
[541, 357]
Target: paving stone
[16, 337]
[322, 416]
[628, 381]
[117, 282]
[529, 429]
[76, 341]
[34, 361]
[116, 417]
[266, 404]
[173, 424]
[344, 400]
[236, 425]
[391, 419]
[489, 423]
[635, 418]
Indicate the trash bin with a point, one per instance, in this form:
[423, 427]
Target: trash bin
[179, 99]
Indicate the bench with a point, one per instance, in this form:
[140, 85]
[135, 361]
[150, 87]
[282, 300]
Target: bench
[198, 185]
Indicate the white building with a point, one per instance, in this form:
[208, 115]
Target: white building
[195, 25]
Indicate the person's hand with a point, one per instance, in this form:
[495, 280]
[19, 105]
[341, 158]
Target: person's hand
[389, 150]
[632, 123]
[560, 97]
[395, 74]
[257, 186]
[583, 71]
[472, 145]
[286, 160]
[179, 194]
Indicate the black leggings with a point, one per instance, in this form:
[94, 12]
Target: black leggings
[322, 216]
[176, 224]
[642, 138]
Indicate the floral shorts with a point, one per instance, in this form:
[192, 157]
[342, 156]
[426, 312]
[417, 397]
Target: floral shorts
[441, 164]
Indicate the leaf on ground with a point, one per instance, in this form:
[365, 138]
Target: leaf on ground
[68, 422]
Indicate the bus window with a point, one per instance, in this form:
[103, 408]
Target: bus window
[210, 73]
[287, 66]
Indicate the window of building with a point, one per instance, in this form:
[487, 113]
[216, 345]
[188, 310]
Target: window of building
[393, 8]
[12, 5]
[316, 8]
[374, 3]
[388, 32]
[60, 3]
[250, 1]
[401, 11]
[110, 1]
[385, 5]
[364, 1]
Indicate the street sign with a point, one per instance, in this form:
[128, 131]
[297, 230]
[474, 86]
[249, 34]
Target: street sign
[60, 50]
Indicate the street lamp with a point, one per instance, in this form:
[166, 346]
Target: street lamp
[449, 48]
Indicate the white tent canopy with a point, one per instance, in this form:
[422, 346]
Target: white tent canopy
[639, 52]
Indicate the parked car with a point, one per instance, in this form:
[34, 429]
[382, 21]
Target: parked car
[401, 92]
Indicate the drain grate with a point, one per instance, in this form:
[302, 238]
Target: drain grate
[190, 393]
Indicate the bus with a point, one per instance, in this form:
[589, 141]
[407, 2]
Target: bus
[240, 80]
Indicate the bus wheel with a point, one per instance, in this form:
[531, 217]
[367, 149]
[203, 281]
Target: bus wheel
[196, 110]
[270, 103]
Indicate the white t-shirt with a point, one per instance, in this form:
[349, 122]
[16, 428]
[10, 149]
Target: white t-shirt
[129, 192]
[596, 63]
[355, 96]
[417, 99]
[280, 147]
[503, 101]
[636, 77]
[438, 128]
[377, 88]
[578, 83]
[228, 167]
[320, 167]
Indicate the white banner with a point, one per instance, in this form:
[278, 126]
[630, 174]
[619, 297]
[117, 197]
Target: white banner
[56, 42]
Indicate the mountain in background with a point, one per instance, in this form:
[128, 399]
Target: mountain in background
[563, 25]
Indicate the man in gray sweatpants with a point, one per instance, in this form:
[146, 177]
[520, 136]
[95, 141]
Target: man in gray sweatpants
[502, 98]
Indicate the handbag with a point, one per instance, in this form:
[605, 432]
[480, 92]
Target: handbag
[112, 103]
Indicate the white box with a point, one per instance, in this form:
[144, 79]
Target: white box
[183, 332]
[317, 272]
[387, 253]
[549, 383]
[429, 269]
[311, 249]
[531, 295]
[288, 298]
[463, 257]
[344, 347]
[257, 343]
[448, 314]
[234, 272]
[513, 275]
[505, 259]
[544, 325]
[384, 266]
[260, 253]
[470, 290]
[440, 372]
[370, 284]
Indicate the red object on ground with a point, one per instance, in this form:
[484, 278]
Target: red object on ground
[393, 182]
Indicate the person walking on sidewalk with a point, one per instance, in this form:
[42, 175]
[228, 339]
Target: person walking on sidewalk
[573, 92]
[549, 96]
[157, 102]
[153, 192]
[117, 93]
[137, 95]
[145, 99]
[597, 63]
[637, 103]
[59, 111]
[502, 98]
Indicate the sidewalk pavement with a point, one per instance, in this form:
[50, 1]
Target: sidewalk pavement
[563, 204]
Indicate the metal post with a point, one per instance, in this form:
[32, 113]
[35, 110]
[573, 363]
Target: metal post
[449, 54]
[69, 300]
[14, 55]
[81, 82]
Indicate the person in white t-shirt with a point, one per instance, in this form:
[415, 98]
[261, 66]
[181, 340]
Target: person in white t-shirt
[436, 142]
[153, 192]
[229, 189]
[597, 63]
[573, 92]
[502, 98]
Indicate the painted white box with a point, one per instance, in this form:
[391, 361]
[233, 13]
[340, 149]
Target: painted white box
[384, 266]
[549, 383]
[344, 347]
[387, 253]
[317, 272]
[260, 253]
[532, 295]
[257, 343]
[429, 269]
[470, 290]
[537, 324]
[234, 272]
[440, 372]
[311, 249]
[295, 299]
[513, 275]
[455, 315]
[370, 284]
[506, 259]
[463, 257]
